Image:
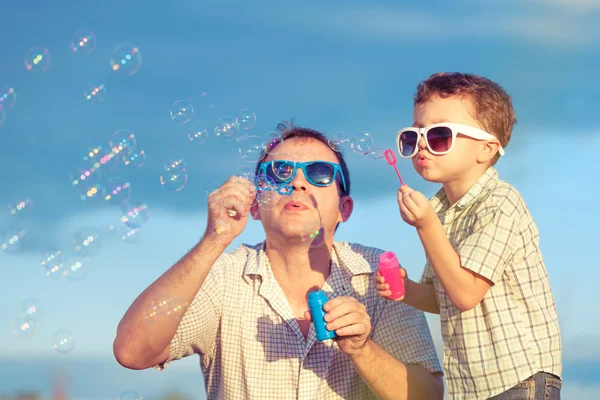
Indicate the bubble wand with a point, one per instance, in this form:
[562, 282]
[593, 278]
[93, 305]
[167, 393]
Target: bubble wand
[391, 159]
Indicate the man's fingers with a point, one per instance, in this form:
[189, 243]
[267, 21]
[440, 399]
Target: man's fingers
[347, 320]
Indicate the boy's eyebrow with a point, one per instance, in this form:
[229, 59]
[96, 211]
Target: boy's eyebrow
[435, 121]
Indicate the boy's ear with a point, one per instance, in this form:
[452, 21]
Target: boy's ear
[488, 151]
[255, 211]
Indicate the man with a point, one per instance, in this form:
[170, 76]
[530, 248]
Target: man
[248, 317]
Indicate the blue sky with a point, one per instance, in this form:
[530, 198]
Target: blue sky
[350, 67]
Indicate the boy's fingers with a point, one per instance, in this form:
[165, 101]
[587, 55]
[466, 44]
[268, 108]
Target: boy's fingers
[403, 273]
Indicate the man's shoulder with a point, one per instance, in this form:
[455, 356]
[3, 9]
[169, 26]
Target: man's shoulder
[349, 251]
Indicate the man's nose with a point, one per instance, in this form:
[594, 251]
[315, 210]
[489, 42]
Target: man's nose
[299, 182]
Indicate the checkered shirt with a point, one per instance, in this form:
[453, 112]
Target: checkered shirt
[251, 346]
[513, 332]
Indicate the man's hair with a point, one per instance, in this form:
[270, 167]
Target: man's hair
[288, 130]
[492, 106]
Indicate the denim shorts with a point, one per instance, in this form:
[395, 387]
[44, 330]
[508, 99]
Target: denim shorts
[541, 386]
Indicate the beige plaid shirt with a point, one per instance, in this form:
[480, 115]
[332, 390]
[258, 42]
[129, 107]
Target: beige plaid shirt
[251, 346]
[513, 332]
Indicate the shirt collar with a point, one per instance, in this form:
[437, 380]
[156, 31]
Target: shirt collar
[440, 200]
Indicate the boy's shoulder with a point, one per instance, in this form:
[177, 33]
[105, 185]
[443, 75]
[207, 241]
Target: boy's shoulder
[501, 196]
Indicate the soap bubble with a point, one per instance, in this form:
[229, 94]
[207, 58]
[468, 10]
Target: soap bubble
[376, 153]
[122, 142]
[273, 140]
[251, 148]
[21, 208]
[362, 143]
[14, 241]
[87, 241]
[130, 235]
[95, 93]
[135, 160]
[77, 267]
[52, 262]
[182, 111]
[174, 178]
[246, 119]
[24, 327]
[245, 172]
[30, 309]
[134, 214]
[165, 305]
[129, 395]
[339, 141]
[117, 190]
[226, 128]
[126, 60]
[38, 59]
[8, 97]
[83, 42]
[198, 134]
[63, 341]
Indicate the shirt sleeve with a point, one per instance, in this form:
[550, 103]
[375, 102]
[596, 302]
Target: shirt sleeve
[427, 276]
[491, 245]
[197, 331]
[403, 332]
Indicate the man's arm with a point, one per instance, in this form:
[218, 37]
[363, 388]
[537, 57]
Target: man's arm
[141, 342]
[465, 288]
[390, 378]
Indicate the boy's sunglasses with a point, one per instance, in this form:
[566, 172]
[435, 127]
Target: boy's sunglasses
[439, 138]
[281, 172]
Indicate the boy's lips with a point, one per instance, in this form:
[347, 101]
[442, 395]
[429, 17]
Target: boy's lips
[422, 160]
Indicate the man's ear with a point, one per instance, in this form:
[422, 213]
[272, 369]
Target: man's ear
[346, 207]
[255, 211]
[488, 151]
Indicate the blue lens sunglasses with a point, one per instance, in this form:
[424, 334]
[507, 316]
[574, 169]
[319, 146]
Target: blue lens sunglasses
[275, 175]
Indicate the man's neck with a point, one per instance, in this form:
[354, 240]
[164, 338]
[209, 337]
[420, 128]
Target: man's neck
[299, 269]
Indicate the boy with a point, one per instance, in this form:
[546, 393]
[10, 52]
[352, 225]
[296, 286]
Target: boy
[485, 274]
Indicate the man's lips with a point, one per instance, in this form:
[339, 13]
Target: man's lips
[294, 205]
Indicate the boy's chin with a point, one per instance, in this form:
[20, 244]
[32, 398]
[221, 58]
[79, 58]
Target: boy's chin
[431, 176]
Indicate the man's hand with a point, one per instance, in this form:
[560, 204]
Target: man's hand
[415, 208]
[228, 208]
[350, 321]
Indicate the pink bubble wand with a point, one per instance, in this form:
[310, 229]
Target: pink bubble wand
[391, 159]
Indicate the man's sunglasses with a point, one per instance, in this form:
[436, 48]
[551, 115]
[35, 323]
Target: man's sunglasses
[277, 173]
[439, 138]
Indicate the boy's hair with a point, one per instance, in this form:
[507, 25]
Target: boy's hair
[492, 106]
[288, 130]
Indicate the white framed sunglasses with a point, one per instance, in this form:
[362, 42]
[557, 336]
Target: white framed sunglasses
[439, 138]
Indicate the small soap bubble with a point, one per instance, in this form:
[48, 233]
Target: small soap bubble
[135, 160]
[77, 267]
[14, 241]
[198, 134]
[245, 172]
[273, 140]
[212, 187]
[37, 59]
[376, 153]
[63, 341]
[21, 208]
[52, 263]
[83, 42]
[175, 163]
[173, 179]
[87, 241]
[8, 97]
[339, 141]
[134, 214]
[85, 179]
[164, 305]
[182, 111]
[246, 119]
[24, 327]
[129, 395]
[130, 235]
[117, 190]
[362, 143]
[251, 148]
[30, 309]
[126, 60]
[122, 142]
[95, 93]
[226, 128]
[283, 170]
[311, 233]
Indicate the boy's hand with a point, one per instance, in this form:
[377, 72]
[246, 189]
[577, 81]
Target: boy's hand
[383, 289]
[415, 208]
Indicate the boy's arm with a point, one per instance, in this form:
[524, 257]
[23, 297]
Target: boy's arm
[465, 288]
[421, 296]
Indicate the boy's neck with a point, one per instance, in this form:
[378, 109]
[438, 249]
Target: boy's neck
[456, 188]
